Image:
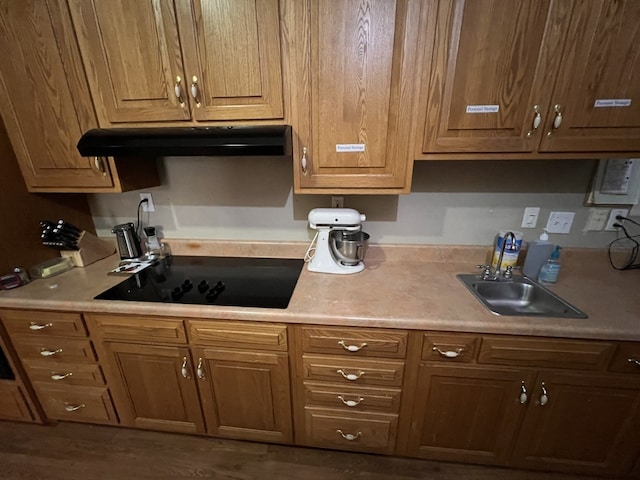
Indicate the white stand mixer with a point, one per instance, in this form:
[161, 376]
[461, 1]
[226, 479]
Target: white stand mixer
[340, 243]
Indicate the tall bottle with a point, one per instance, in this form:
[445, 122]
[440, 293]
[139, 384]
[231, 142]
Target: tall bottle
[550, 270]
[538, 252]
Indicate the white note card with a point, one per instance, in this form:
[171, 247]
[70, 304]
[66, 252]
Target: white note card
[612, 102]
[349, 147]
[616, 177]
[483, 108]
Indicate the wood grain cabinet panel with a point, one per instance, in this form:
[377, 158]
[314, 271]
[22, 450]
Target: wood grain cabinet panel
[77, 403]
[352, 398]
[626, 358]
[138, 328]
[43, 324]
[355, 342]
[64, 373]
[450, 347]
[355, 371]
[352, 98]
[54, 349]
[262, 336]
[13, 404]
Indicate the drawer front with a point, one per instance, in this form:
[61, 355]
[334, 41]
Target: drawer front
[43, 324]
[355, 342]
[352, 398]
[354, 371]
[626, 359]
[138, 328]
[260, 336]
[64, 373]
[13, 405]
[554, 353]
[54, 349]
[370, 432]
[450, 348]
[75, 403]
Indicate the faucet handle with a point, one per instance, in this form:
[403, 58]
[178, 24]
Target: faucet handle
[486, 271]
[508, 273]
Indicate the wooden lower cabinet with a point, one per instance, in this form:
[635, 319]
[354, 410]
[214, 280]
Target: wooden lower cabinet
[156, 387]
[245, 394]
[467, 413]
[13, 403]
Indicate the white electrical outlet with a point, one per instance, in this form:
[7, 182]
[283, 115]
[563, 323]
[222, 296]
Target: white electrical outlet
[612, 217]
[149, 206]
[337, 202]
[560, 222]
[597, 219]
[530, 217]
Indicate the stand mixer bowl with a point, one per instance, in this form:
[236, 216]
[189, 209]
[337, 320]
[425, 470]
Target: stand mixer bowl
[349, 248]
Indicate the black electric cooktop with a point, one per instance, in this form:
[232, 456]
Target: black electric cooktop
[229, 281]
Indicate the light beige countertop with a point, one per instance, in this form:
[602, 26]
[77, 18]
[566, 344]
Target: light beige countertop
[412, 287]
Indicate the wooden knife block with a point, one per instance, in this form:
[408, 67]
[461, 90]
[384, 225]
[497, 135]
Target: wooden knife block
[91, 250]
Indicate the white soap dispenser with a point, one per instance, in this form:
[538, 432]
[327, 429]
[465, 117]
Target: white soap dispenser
[538, 252]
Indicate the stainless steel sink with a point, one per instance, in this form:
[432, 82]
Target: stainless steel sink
[519, 296]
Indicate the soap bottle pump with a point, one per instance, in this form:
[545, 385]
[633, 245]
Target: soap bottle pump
[538, 252]
[550, 270]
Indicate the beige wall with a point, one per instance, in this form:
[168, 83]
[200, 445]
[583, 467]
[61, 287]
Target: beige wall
[463, 202]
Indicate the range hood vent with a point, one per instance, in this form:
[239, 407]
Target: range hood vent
[267, 140]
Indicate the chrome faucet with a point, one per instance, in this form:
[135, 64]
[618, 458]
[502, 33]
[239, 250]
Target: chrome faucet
[508, 272]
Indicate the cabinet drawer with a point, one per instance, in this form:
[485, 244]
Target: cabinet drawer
[626, 358]
[352, 398]
[54, 349]
[552, 353]
[354, 341]
[260, 336]
[371, 432]
[64, 373]
[13, 405]
[138, 328]
[43, 323]
[356, 371]
[449, 347]
[75, 403]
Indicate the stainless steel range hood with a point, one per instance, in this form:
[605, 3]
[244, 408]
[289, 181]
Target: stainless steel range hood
[267, 140]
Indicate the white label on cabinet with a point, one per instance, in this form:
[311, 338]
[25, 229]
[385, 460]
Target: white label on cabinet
[349, 147]
[483, 108]
[612, 102]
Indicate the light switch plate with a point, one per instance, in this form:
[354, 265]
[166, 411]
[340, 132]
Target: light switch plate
[597, 219]
[560, 222]
[530, 217]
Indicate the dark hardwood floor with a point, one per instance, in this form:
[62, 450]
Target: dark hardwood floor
[69, 451]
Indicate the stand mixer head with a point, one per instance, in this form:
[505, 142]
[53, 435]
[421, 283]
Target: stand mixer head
[340, 242]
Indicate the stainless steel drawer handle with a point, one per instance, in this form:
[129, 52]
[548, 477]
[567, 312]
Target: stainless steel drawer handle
[634, 361]
[60, 376]
[352, 377]
[73, 408]
[39, 326]
[523, 394]
[352, 348]
[200, 369]
[49, 353]
[351, 403]
[448, 353]
[185, 368]
[349, 436]
[544, 397]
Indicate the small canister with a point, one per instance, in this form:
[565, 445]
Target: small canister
[511, 252]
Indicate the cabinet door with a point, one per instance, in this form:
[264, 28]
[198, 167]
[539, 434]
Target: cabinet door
[598, 87]
[466, 413]
[13, 405]
[352, 98]
[232, 50]
[152, 390]
[590, 423]
[45, 101]
[245, 395]
[131, 52]
[489, 73]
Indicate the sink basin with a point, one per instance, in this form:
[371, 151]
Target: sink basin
[519, 296]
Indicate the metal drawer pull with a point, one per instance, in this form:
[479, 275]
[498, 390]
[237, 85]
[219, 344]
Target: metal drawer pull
[523, 394]
[349, 436]
[177, 89]
[39, 326]
[557, 121]
[537, 120]
[194, 91]
[49, 353]
[448, 353]
[98, 164]
[635, 361]
[73, 408]
[303, 160]
[544, 398]
[200, 370]
[350, 376]
[352, 348]
[60, 376]
[184, 370]
[351, 403]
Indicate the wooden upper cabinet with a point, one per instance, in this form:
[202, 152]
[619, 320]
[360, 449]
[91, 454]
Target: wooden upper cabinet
[598, 86]
[530, 76]
[44, 98]
[159, 60]
[352, 97]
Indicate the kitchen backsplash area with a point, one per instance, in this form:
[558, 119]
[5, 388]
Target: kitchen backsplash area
[457, 203]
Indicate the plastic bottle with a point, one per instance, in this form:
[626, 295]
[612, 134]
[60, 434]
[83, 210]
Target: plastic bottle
[550, 270]
[538, 252]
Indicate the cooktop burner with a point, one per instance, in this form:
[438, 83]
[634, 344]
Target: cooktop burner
[229, 281]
